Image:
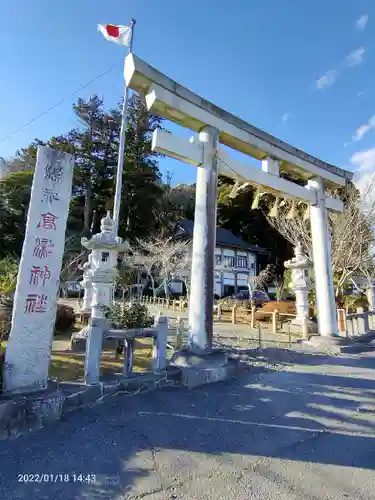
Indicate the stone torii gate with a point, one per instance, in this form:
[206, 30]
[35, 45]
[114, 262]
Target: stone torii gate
[169, 99]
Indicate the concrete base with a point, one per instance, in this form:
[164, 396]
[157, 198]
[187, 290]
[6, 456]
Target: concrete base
[20, 413]
[297, 325]
[200, 369]
[78, 341]
[335, 345]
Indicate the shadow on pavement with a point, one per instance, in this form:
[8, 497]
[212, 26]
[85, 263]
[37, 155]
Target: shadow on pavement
[291, 356]
[291, 415]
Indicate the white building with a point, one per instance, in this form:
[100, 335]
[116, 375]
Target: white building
[236, 259]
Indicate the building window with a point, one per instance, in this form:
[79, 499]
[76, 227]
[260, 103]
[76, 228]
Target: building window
[228, 261]
[218, 259]
[105, 256]
[242, 262]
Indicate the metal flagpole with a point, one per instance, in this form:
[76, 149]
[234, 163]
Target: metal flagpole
[121, 151]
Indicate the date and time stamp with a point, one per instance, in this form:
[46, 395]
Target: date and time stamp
[75, 477]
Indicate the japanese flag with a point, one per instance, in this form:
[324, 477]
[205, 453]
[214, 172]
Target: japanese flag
[117, 34]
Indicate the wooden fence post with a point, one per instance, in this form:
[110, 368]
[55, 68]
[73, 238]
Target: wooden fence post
[259, 336]
[274, 320]
[219, 312]
[234, 314]
[252, 322]
[341, 321]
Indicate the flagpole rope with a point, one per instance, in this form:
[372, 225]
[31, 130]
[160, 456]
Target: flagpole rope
[59, 103]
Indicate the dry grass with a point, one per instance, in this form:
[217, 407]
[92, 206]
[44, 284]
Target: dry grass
[68, 366]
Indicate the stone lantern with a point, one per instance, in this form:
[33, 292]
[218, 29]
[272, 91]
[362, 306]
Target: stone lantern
[301, 284]
[105, 247]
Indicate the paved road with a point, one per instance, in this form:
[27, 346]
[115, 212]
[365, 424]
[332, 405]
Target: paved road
[306, 432]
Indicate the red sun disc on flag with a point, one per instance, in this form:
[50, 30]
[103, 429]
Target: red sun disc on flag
[113, 30]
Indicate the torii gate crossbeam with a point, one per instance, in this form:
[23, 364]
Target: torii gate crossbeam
[169, 99]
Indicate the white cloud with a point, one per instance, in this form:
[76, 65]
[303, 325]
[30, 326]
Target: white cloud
[361, 22]
[364, 161]
[360, 93]
[285, 117]
[363, 129]
[355, 57]
[326, 80]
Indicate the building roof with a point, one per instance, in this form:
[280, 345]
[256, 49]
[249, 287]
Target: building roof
[224, 237]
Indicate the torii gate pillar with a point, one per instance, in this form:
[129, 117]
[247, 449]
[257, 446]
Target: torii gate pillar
[203, 266]
[321, 246]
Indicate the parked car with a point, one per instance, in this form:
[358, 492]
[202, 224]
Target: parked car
[259, 297]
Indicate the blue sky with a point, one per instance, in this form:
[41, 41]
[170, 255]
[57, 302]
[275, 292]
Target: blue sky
[303, 71]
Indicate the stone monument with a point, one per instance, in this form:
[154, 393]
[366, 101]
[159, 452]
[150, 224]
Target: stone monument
[28, 351]
[301, 285]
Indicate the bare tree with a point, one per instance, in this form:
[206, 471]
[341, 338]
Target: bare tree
[70, 270]
[351, 232]
[172, 258]
[126, 275]
[143, 258]
[159, 256]
[280, 287]
[258, 283]
[182, 266]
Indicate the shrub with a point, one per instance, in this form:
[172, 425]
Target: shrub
[2, 360]
[282, 307]
[8, 276]
[127, 316]
[6, 308]
[351, 302]
[64, 318]
[8, 281]
[268, 307]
